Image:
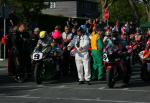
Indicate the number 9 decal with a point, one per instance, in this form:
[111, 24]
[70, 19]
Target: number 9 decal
[37, 56]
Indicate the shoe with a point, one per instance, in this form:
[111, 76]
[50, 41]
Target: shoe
[81, 82]
[88, 82]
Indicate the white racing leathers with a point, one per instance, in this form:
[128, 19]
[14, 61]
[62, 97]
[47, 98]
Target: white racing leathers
[82, 58]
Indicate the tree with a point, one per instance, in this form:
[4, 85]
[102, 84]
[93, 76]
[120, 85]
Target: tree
[27, 5]
[122, 11]
[135, 8]
[146, 4]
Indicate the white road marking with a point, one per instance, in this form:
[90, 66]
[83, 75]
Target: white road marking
[101, 88]
[99, 100]
[125, 89]
[79, 88]
[32, 90]
[15, 86]
[41, 86]
[22, 96]
[62, 86]
[71, 99]
[3, 69]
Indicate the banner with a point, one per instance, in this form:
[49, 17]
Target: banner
[106, 14]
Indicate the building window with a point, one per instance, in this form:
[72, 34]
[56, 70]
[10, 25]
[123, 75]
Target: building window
[52, 4]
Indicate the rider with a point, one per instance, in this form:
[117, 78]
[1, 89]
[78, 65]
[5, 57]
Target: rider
[108, 44]
[44, 39]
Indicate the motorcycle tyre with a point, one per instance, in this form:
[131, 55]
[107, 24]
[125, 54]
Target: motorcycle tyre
[38, 73]
[110, 78]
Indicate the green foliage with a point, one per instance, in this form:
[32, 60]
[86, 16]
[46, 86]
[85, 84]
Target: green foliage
[142, 13]
[121, 10]
[27, 5]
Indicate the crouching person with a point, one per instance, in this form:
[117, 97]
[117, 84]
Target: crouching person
[82, 59]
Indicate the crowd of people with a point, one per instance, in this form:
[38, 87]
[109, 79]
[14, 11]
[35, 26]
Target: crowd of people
[82, 46]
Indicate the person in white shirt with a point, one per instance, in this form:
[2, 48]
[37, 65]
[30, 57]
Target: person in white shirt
[67, 63]
[81, 45]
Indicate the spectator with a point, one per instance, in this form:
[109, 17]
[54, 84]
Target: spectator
[35, 36]
[22, 45]
[57, 35]
[13, 19]
[67, 37]
[97, 54]
[82, 59]
[69, 22]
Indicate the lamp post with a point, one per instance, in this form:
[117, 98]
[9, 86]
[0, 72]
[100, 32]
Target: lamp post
[4, 28]
[4, 16]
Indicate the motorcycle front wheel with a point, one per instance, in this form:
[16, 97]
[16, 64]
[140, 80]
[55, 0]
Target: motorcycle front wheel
[38, 73]
[110, 78]
[145, 76]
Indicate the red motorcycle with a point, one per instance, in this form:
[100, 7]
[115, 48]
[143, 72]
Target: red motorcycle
[145, 67]
[116, 69]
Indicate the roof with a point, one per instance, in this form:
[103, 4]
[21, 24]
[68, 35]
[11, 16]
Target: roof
[71, 0]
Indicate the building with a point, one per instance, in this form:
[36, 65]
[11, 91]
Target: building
[72, 8]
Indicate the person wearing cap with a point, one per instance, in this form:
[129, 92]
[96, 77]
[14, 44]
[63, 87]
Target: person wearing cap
[81, 43]
[97, 54]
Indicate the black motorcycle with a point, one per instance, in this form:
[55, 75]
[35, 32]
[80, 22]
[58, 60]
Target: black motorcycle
[44, 63]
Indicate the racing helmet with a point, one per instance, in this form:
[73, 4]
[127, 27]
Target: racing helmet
[42, 34]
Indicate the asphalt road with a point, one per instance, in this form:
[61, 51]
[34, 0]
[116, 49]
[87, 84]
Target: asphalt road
[70, 92]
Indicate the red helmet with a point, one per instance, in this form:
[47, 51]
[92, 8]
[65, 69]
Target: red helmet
[57, 35]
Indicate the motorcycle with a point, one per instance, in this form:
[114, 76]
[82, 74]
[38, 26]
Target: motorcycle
[43, 63]
[145, 67]
[115, 69]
